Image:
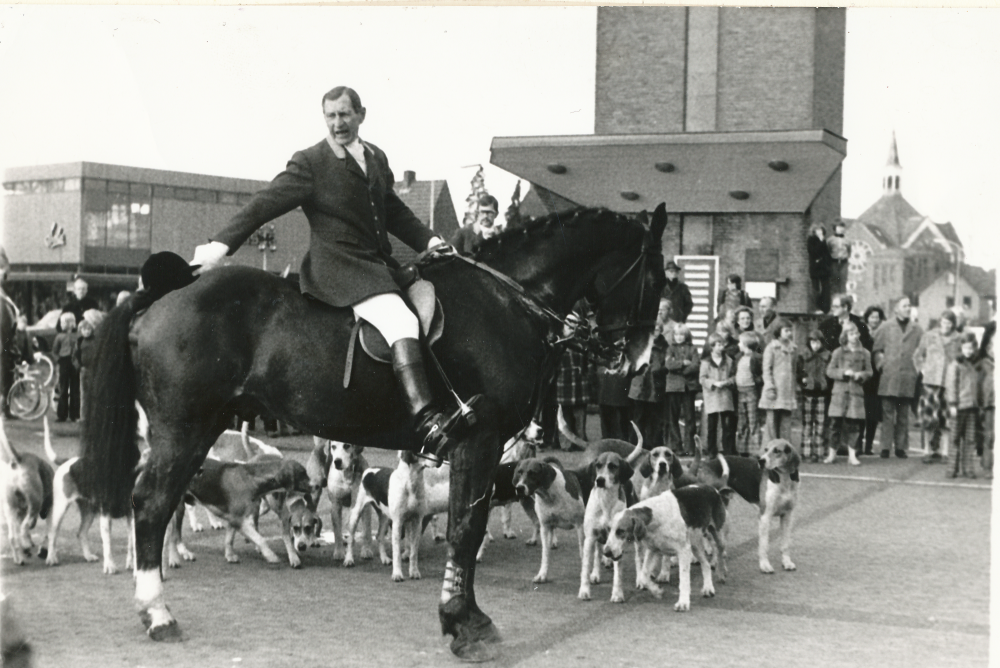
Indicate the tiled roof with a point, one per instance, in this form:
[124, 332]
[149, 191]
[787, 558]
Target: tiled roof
[982, 281]
[431, 202]
[894, 216]
[541, 202]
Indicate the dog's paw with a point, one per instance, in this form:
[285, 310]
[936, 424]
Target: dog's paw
[414, 574]
[787, 564]
[338, 555]
[366, 553]
[294, 561]
[682, 606]
[657, 592]
[765, 567]
[707, 590]
[617, 596]
[90, 558]
[531, 541]
[52, 559]
[540, 579]
[110, 568]
[595, 578]
[584, 594]
[349, 561]
[385, 560]
[398, 576]
[232, 558]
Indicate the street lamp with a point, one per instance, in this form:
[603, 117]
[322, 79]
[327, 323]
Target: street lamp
[265, 241]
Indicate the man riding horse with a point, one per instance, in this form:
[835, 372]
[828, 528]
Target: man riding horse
[345, 187]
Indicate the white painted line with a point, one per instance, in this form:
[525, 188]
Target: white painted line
[924, 483]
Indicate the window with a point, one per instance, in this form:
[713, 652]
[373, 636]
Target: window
[967, 302]
[949, 302]
[117, 214]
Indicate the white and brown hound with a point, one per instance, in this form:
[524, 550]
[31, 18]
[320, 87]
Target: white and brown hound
[26, 487]
[607, 499]
[672, 522]
[779, 493]
[559, 502]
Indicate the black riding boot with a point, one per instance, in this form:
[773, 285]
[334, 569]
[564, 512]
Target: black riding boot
[433, 422]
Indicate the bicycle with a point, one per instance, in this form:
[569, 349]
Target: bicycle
[31, 394]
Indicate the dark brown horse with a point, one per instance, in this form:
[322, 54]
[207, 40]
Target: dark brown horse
[238, 340]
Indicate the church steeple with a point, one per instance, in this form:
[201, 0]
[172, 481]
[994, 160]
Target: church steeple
[890, 178]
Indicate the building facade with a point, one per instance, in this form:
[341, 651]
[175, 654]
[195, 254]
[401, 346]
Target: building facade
[731, 116]
[100, 222]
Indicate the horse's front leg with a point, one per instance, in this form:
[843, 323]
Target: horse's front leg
[473, 464]
[158, 490]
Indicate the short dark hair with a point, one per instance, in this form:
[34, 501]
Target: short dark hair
[846, 300]
[735, 278]
[489, 200]
[339, 91]
[874, 309]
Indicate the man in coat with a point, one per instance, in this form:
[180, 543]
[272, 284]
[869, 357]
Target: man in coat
[892, 354]
[677, 293]
[467, 238]
[841, 307]
[344, 186]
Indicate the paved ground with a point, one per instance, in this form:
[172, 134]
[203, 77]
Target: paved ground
[893, 570]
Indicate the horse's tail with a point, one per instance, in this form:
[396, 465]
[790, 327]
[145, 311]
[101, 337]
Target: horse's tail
[109, 451]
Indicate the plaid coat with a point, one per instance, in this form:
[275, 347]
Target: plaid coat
[572, 379]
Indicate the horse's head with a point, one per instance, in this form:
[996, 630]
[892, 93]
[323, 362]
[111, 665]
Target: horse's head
[626, 292]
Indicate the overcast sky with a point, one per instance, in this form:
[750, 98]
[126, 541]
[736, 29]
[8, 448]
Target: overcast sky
[235, 91]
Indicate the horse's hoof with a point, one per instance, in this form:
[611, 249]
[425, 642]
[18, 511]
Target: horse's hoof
[167, 633]
[474, 651]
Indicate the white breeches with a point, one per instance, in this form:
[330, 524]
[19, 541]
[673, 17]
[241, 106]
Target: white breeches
[389, 315]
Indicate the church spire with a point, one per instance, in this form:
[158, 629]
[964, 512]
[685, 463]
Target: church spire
[890, 178]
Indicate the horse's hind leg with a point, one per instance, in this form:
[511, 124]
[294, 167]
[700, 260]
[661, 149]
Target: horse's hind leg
[473, 464]
[158, 490]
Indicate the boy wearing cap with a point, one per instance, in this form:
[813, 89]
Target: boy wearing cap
[677, 293]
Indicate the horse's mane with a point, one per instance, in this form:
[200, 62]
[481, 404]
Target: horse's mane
[525, 232]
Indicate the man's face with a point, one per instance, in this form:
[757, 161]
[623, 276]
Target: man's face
[671, 274]
[342, 120]
[836, 308]
[486, 216]
[903, 309]
[766, 305]
[80, 289]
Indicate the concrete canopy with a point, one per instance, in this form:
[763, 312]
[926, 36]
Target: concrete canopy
[712, 172]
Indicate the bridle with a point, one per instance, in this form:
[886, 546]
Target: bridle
[650, 253]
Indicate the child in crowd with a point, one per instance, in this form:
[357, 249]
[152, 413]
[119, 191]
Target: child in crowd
[717, 377]
[850, 367]
[749, 381]
[64, 351]
[572, 384]
[814, 383]
[733, 296]
[962, 391]
[987, 402]
[85, 349]
[778, 398]
[646, 393]
[682, 366]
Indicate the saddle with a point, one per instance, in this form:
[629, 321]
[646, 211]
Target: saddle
[421, 298]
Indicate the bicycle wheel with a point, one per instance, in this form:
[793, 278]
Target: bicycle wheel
[25, 398]
[42, 370]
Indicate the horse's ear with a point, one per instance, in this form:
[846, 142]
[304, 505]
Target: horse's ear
[659, 222]
[643, 219]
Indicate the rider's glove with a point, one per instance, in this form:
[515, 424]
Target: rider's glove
[209, 255]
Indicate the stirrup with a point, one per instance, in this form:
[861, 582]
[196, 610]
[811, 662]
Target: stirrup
[439, 438]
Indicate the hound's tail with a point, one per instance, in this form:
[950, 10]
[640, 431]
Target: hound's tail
[564, 430]
[108, 438]
[8, 455]
[50, 452]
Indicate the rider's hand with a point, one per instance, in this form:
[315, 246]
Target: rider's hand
[434, 242]
[209, 255]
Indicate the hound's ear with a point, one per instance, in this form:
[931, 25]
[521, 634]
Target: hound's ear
[548, 474]
[624, 472]
[602, 535]
[638, 526]
[726, 493]
[592, 471]
[408, 457]
[676, 470]
[358, 449]
[646, 469]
